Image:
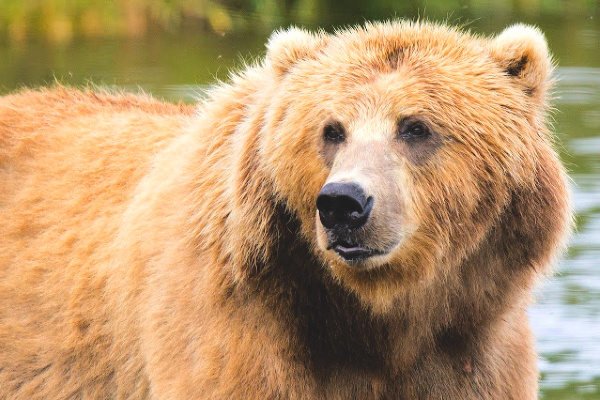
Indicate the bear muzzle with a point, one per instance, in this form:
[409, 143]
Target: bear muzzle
[344, 208]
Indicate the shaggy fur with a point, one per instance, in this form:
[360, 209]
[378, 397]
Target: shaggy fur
[155, 251]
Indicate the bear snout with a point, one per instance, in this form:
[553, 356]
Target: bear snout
[345, 210]
[343, 206]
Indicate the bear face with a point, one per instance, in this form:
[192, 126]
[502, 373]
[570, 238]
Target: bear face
[418, 137]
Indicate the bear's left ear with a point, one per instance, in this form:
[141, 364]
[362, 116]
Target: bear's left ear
[523, 53]
[285, 48]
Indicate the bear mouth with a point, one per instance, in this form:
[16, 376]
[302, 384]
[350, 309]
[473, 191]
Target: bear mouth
[353, 253]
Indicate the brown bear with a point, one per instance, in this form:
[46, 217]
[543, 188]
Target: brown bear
[358, 216]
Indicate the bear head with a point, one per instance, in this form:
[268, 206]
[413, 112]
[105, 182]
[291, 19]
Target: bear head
[403, 148]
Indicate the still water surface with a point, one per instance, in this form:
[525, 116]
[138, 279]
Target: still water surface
[176, 67]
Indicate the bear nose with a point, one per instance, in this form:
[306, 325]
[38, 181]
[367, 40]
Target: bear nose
[343, 205]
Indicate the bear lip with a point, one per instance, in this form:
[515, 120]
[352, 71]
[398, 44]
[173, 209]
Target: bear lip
[354, 253]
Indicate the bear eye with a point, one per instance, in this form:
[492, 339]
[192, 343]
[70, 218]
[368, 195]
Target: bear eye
[334, 132]
[413, 130]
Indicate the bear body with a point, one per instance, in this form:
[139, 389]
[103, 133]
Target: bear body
[359, 216]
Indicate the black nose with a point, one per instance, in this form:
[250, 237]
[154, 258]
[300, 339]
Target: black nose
[343, 205]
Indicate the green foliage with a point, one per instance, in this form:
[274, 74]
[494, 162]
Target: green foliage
[63, 20]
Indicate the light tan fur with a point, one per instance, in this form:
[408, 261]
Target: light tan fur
[158, 251]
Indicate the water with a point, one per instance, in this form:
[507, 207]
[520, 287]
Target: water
[175, 67]
[567, 316]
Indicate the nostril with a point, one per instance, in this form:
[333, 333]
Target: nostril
[324, 203]
[349, 205]
[343, 205]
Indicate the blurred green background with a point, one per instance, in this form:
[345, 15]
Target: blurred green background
[63, 20]
[174, 48]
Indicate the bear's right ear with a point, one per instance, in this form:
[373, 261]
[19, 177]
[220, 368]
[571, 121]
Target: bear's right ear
[285, 48]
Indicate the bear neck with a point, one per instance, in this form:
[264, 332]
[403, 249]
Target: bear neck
[327, 325]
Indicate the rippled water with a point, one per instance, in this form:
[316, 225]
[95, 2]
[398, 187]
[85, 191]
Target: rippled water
[566, 318]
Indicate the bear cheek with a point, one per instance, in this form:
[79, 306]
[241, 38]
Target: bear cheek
[297, 178]
[389, 222]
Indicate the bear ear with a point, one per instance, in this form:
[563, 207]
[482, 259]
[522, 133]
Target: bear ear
[285, 48]
[522, 52]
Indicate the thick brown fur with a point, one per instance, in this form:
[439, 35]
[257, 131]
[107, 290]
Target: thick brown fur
[156, 251]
